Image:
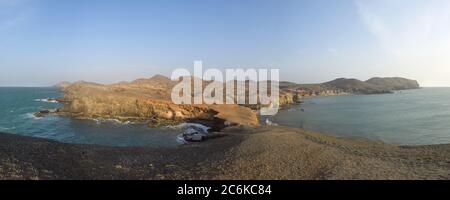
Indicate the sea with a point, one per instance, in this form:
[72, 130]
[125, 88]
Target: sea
[17, 105]
[409, 117]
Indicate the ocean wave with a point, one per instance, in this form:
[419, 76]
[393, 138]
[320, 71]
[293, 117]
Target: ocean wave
[180, 139]
[31, 116]
[7, 128]
[184, 126]
[270, 123]
[47, 100]
[97, 121]
[187, 130]
[115, 121]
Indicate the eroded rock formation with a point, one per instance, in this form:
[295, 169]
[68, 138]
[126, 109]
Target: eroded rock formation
[145, 100]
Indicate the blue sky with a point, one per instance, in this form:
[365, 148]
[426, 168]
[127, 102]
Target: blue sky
[43, 42]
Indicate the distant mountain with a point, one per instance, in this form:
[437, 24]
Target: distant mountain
[394, 83]
[353, 86]
[373, 85]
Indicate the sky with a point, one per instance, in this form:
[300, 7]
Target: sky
[43, 42]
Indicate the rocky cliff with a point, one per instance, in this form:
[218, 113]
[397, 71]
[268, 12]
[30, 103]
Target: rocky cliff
[145, 100]
[148, 100]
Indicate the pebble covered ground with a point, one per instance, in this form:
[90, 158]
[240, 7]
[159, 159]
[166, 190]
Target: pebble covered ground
[266, 152]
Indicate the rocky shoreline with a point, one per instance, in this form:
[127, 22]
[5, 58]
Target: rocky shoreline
[265, 152]
[148, 101]
[242, 148]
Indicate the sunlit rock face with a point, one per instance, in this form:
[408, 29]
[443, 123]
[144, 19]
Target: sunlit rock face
[149, 100]
[145, 100]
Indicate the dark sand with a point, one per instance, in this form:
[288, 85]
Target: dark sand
[245, 153]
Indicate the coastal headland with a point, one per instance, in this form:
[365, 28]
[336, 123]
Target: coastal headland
[149, 100]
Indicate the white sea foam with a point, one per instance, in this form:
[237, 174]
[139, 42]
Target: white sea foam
[97, 121]
[6, 128]
[184, 126]
[116, 121]
[47, 100]
[181, 140]
[31, 116]
[270, 123]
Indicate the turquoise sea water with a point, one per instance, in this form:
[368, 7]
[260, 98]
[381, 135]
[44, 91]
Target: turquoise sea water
[17, 106]
[406, 117]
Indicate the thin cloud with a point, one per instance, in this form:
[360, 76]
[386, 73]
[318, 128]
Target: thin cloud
[332, 51]
[405, 27]
[414, 34]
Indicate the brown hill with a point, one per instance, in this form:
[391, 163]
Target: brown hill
[145, 100]
[355, 86]
[394, 83]
[149, 100]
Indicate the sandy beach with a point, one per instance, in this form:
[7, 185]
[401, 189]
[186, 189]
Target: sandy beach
[266, 152]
